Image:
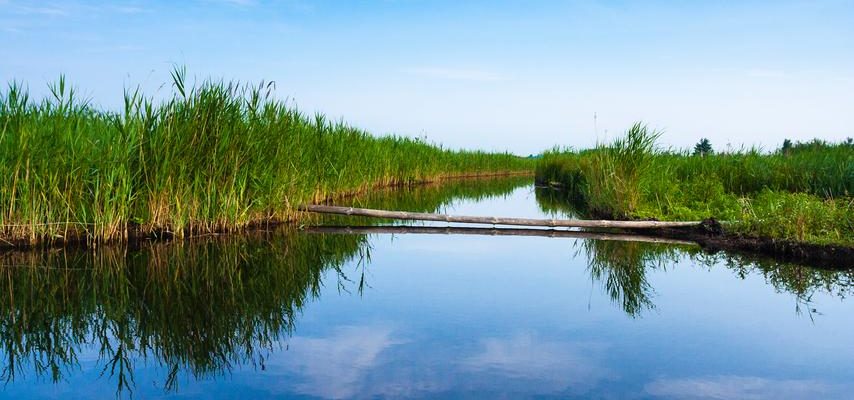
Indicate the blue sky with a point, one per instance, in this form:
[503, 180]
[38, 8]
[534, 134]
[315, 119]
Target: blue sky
[519, 76]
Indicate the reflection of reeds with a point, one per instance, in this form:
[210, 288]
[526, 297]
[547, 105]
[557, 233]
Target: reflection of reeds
[622, 269]
[801, 281]
[198, 307]
[554, 202]
[215, 156]
[427, 198]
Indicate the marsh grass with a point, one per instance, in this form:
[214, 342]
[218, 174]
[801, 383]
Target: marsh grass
[615, 174]
[608, 180]
[802, 194]
[214, 156]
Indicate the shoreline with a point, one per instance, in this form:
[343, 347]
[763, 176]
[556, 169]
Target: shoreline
[135, 233]
[713, 238]
[710, 236]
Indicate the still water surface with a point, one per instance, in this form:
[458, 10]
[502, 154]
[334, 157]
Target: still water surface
[307, 315]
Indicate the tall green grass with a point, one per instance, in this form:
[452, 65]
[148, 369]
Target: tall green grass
[608, 179]
[214, 156]
[802, 194]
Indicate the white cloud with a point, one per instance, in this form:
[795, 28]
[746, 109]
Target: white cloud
[746, 387]
[460, 74]
[551, 365]
[49, 10]
[334, 366]
[354, 361]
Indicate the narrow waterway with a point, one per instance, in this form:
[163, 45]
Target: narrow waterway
[422, 313]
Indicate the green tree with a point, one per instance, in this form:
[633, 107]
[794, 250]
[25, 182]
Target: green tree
[787, 147]
[703, 148]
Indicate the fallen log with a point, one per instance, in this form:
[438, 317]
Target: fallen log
[430, 230]
[552, 223]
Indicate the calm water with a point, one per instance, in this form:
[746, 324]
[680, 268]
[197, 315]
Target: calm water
[418, 315]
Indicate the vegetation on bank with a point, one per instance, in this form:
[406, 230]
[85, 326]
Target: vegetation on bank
[802, 192]
[215, 156]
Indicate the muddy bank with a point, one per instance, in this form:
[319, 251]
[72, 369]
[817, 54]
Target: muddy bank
[135, 236]
[713, 238]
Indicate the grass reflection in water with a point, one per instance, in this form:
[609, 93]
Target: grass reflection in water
[199, 307]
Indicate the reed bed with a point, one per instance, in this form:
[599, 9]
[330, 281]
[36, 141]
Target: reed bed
[802, 194]
[214, 156]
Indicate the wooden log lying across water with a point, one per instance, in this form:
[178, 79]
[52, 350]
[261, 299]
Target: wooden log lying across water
[552, 223]
[431, 230]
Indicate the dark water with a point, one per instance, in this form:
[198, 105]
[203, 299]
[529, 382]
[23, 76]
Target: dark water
[422, 315]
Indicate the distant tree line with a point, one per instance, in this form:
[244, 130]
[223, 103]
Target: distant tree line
[790, 147]
[704, 146]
